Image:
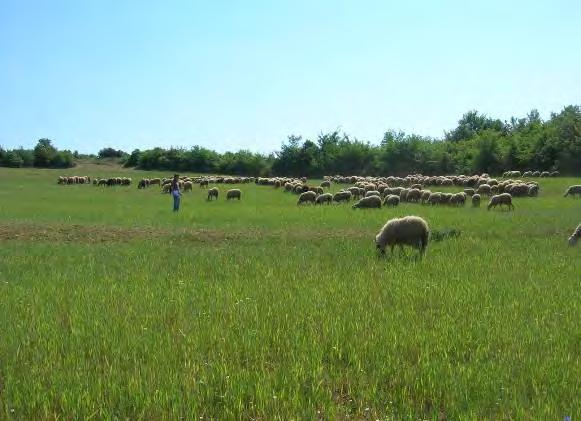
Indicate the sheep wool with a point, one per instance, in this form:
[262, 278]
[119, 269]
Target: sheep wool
[410, 230]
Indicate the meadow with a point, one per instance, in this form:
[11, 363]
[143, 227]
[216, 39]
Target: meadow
[112, 306]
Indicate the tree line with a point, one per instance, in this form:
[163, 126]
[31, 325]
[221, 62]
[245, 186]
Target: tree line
[477, 144]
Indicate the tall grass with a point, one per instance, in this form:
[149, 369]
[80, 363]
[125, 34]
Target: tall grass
[262, 309]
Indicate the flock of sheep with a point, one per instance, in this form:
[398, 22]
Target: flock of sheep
[375, 192]
[372, 192]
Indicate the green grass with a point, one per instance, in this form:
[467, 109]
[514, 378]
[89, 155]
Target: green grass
[113, 306]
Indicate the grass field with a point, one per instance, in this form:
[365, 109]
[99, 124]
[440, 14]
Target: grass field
[113, 306]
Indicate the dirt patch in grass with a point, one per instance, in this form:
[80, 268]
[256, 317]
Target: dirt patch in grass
[102, 234]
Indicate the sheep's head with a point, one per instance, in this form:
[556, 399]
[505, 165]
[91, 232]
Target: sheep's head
[380, 249]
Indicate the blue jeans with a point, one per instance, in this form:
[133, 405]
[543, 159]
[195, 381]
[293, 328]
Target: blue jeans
[176, 203]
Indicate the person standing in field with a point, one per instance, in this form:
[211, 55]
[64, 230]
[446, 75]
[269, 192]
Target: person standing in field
[175, 192]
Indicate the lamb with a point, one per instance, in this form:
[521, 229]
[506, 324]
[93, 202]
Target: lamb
[324, 198]
[233, 194]
[573, 190]
[307, 197]
[501, 199]
[575, 236]
[410, 230]
[342, 196]
[213, 193]
[476, 200]
[373, 201]
[391, 200]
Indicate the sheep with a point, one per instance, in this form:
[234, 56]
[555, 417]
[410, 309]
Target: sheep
[213, 193]
[391, 200]
[575, 236]
[434, 198]
[476, 200]
[533, 190]
[425, 196]
[204, 183]
[307, 197]
[188, 186]
[409, 230]
[469, 191]
[458, 199]
[372, 193]
[354, 192]
[326, 184]
[342, 196]
[573, 190]
[501, 199]
[233, 194]
[413, 195]
[324, 198]
[368, 202]
[483, 189]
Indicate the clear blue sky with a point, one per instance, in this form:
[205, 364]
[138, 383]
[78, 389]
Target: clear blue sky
[245, 74]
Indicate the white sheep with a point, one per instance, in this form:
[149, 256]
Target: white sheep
[213, 193]
[501, 199]
[372, 193]
[368, 202]
[307, 197]
[476, 200]
[233, 194]
[342, 196]
[391, 200]
[324, 198]
[573, 190]
[410, 230]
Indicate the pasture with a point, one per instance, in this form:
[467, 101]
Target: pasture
[113, 306]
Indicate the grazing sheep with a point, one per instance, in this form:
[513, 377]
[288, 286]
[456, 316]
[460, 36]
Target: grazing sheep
[483, 190]
[213, 193]
[354, 192]
[188, 186]
[434, 198]
[413, 195]
[469, 191]
[326, 184]
[501, 199]
[372, 193]
[533, 190]
[233, 194]
[476, 200]
[342, 196]
[575, 236]
[573, 190]
[204, 183]
[391, 200]
[373, 201]
[458, 199]
[307, 197]
[410, 230]
[324, 198]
